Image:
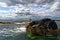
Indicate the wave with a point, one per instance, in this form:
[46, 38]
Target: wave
[12, 31]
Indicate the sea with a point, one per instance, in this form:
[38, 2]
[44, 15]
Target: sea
[18, 32]
[12, 32]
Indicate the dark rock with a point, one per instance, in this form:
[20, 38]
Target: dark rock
[41, 26]
[52, 25]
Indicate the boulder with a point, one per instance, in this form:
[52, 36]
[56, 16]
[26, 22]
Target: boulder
[41, 27]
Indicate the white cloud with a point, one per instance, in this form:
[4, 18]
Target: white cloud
[42, 10]
[3, 4]
[8, 15]
[54, 6]
[7, 11]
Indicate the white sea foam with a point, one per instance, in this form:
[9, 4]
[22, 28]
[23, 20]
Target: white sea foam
[12, 32]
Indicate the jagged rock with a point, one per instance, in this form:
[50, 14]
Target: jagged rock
[41, 27]
[52, 25]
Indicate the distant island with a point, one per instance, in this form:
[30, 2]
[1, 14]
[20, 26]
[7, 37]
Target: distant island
[13, 22]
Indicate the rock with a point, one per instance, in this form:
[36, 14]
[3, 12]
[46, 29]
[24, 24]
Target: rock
[52, 25]
[41, 27]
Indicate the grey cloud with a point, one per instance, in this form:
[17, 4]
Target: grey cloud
[6, 1]
[13, 2]
[38, 1]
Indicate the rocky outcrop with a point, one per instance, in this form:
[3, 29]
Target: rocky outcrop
[41, 27]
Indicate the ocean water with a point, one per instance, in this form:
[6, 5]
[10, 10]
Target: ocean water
[12, 32]
[17, 32]
[58, 24]
[56, 37]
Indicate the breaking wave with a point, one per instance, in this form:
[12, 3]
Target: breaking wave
[11, 30]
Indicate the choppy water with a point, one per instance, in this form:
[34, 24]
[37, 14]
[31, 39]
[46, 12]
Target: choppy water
[12, 32]
[17, 32]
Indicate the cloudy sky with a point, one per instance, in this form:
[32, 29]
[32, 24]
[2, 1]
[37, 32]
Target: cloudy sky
[43, 8]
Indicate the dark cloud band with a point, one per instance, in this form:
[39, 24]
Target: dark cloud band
[13, 2]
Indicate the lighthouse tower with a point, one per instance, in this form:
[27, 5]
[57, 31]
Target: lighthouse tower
[30, 19]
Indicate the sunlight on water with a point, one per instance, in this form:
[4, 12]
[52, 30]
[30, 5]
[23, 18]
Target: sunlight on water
[12, 32]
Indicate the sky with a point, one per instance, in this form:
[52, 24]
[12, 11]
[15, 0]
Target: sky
[43, 8]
